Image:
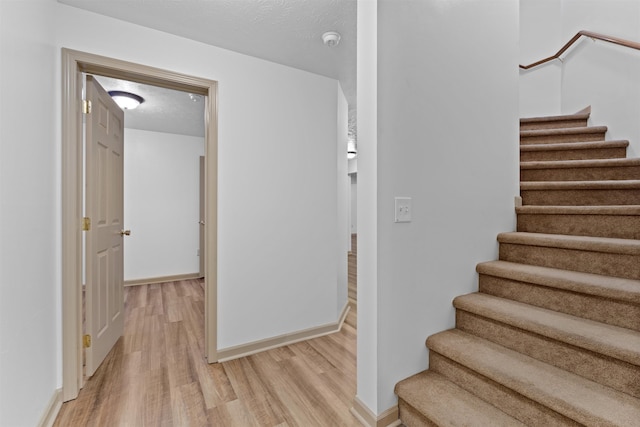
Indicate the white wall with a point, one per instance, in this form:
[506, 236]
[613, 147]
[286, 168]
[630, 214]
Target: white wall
[540, 34]
[161, 204]
[367, 260]
[354, 203]
[343, 182]
[352, 165]
[277, 136]
[603, 75]
[29, 220]
[447, 136]
[599, 74]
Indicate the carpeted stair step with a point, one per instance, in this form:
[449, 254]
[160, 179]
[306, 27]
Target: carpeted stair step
[581, 170]
[597, 255]
[621, 222]
[580, 193]
[555, 136]
[574, 151]
[553, 335]
[603, 353]
[534, 392]
[555, 122]
[611, 300]
[429, 399]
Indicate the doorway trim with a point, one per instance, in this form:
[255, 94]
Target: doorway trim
[74, 63]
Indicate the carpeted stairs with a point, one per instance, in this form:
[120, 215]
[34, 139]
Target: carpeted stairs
[552, 338]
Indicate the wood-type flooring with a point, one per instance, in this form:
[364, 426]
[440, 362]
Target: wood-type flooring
[156, 374]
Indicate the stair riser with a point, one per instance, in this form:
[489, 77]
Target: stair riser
[581, 174]
[612, 312]
[587, 154]
[615, 226]
[411, 417]
[507, 400]
[581, 197]
[608, 264]
[614, 373]
[554, 124]
[558, 139]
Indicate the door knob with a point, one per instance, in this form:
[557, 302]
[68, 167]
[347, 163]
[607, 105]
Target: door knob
[201, 222]
[125, 232]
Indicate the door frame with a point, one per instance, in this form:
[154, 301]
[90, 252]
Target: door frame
[74, 63]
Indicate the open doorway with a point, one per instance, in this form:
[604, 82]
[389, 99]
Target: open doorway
[152, 181]
[164, 143]
[75, 63]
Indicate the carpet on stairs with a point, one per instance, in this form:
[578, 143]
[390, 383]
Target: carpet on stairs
[552, 337]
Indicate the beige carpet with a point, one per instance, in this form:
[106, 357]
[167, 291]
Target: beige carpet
[552, 337]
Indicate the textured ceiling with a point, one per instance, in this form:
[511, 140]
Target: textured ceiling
[163, 110]
[284, 31]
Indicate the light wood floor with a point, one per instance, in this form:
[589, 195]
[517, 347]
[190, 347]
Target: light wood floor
[156, 374]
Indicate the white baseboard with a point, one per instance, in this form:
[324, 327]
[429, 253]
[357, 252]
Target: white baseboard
[51, 412]
[254, 347]
[163, 279]
[388, 418]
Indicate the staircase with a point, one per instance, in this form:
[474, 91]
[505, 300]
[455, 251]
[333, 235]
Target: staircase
[552, 338]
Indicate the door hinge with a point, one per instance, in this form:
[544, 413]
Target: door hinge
[86, 341]
[86, 106]
[86, 223]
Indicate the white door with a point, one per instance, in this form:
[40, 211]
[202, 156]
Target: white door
[104, 207]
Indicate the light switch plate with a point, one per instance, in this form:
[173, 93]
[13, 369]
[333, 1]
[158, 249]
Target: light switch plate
[403, 209]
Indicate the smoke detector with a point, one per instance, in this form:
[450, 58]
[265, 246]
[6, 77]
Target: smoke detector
[331, 38]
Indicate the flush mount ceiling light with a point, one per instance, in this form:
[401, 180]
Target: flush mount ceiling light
[351, 150]
[126, 100]
[331, 38]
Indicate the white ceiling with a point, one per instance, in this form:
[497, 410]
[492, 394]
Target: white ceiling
[163, 110]
[287, 32]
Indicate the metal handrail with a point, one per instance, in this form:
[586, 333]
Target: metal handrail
[596, 36]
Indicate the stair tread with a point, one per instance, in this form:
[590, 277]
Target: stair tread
[580, 399]
[591, 163]
[563, 131]
[448, 404]
[612, 341]
[558, 118]
[588, 243]
[612, 184]
[580, 210]
[575, 145]
[615, 288]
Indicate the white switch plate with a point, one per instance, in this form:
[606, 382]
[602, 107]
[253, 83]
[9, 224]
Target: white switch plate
[403, 209]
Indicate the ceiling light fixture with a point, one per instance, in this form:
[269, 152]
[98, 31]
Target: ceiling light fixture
[351, 150]
[126, 100]
[331, 38]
